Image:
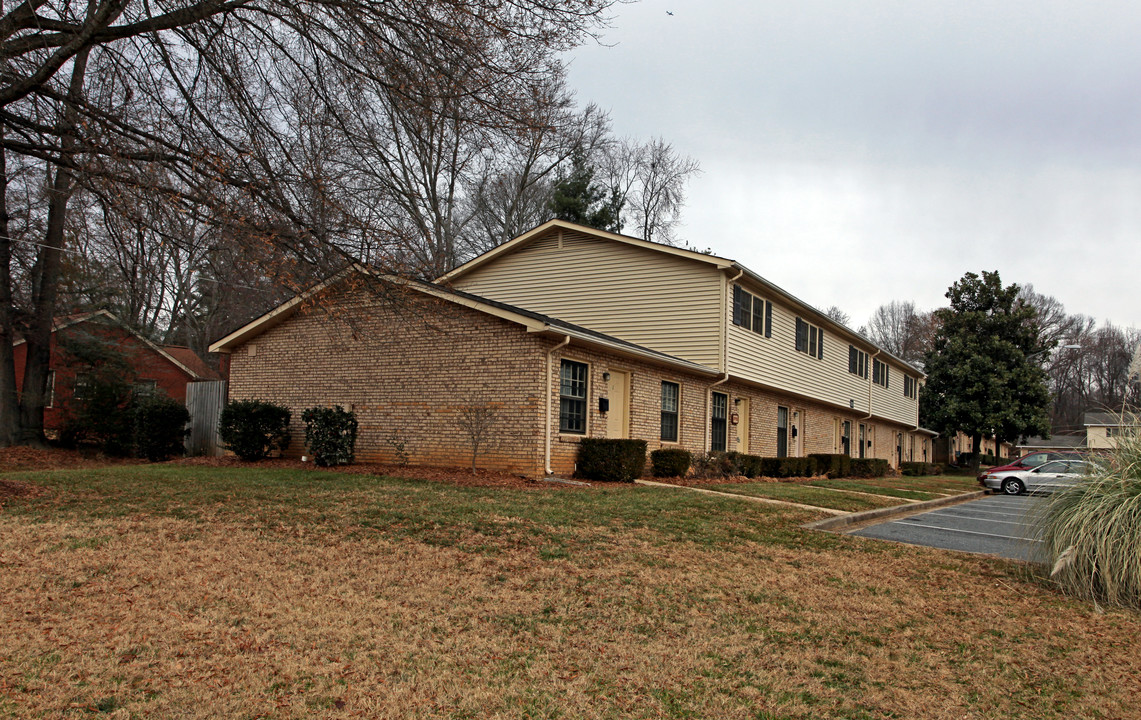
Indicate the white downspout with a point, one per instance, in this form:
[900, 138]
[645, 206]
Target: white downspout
[547, 394]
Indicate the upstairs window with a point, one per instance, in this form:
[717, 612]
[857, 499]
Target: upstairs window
[751, 312]
[572, 397]
[809, 339]
[910, 385]
[879, 373]
[857, 362]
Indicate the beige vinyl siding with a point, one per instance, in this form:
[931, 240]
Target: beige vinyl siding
[776, 363]
[651, 298]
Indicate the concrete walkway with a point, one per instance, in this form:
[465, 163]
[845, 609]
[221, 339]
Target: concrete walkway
[750, 498]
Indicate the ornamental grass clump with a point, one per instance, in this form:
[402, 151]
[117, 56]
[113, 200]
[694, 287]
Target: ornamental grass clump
[1092, 531]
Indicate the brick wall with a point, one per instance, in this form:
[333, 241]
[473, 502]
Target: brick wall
[407, 372]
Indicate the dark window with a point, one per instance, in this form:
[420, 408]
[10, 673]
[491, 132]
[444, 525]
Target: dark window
[670, 396]
[49, 394]
[782, 432]
[572, 397]
[846, 437]
[809, 339]
[857, 361]
[909, 386]
[145, 388]
[719, 435]
[879, 373]
[759, 315]
[751, 312]
[83, 383]
[742, 307]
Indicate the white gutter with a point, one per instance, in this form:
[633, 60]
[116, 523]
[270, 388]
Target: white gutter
[547, 394]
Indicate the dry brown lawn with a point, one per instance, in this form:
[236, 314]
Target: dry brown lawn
[355, 596]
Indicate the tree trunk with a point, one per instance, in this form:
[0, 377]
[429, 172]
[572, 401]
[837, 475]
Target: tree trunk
[976, 452]
[46, 272]
[9, 399]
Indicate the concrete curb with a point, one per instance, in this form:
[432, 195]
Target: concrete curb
[895, 511]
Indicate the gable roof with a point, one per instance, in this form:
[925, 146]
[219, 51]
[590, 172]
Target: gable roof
[532, 321]
[534, 234]
[724, 264]
[1102, 419]
[196, 368]
[192, 361]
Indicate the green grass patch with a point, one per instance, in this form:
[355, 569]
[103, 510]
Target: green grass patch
[807, 495]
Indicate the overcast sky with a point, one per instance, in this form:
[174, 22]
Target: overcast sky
[858, 153]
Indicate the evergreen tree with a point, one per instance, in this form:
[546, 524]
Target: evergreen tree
[578, 199]
[981, 374]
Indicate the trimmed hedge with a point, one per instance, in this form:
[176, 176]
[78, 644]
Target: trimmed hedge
[254, 428]
[611, 460]
[160, 427]
[869, 467]
[331, 434]
[670, 462]
[834, 466]
[920, 468]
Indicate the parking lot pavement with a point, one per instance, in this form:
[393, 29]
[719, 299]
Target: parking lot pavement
[996, 525]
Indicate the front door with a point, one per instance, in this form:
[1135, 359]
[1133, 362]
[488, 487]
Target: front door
[782, 432]
[742, 411]
[718, 423]
[618, 417]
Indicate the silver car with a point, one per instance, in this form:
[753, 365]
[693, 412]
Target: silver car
[1051, 476]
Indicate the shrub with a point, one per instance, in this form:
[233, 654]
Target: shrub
[714, 465]
[331, 434]
[103, 415]
[160, 427]
[834, 466]
[919, 468]
[670, 462]
[869, 467]
[797, 467]
[743, 464]
[1092, 531]
[611, 460]
[254, 428]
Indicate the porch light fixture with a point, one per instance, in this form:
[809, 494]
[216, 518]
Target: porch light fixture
[606, 377]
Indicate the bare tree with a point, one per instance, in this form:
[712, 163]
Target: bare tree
[835, 313]
[96, 95]
[650, 178]
[478, 423]
[899, 329]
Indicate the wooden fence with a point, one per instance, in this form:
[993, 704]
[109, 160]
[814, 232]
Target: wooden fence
[205, 401]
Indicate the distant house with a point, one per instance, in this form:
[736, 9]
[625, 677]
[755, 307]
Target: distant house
[949, 448]
[153, 367]
[1103, 430]
[571, 332]
[1060, 442]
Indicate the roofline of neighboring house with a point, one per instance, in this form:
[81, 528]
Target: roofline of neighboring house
[531, 322]
[77, 319]
[723, 264]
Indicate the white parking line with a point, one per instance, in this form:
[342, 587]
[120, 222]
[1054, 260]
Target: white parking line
[968, 517]
[971, 532]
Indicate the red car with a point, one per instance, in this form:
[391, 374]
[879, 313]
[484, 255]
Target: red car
[1029, 462]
